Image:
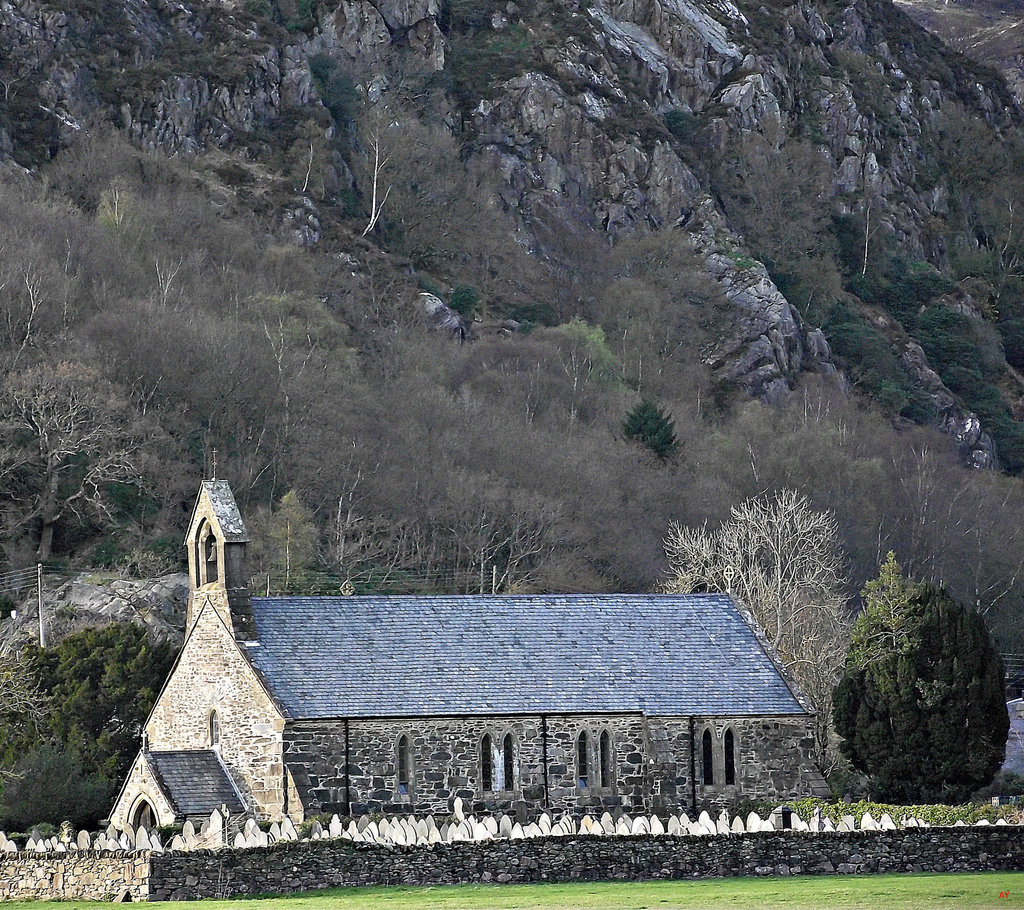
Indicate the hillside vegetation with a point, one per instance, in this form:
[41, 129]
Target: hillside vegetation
[415, 263]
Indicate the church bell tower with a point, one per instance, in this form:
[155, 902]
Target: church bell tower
[215, 543]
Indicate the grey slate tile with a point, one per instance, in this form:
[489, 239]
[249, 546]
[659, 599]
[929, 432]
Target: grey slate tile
[417, 656]
[195, 782]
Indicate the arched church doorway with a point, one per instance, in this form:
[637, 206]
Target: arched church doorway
[143, 816]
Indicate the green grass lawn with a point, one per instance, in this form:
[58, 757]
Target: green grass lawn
[887, 892]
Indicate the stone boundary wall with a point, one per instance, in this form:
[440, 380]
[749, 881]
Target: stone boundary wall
[289, 867]
[92, 875]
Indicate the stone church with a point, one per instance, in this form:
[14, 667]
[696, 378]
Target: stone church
[293, 706]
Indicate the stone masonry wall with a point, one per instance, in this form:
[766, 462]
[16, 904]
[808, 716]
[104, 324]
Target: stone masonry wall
[774, 759]
[141, 785]
[293, 867]
[651, 762]
[74, 876]
[446, 763]
[212, 674]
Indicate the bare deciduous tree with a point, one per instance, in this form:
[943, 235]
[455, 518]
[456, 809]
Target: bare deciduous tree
[71, 433]
[781, 559]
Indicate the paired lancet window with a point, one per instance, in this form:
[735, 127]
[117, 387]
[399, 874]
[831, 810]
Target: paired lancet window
[728, 757]
[603, 775]
[497, 764]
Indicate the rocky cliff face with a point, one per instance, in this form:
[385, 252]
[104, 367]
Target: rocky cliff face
[572, 129]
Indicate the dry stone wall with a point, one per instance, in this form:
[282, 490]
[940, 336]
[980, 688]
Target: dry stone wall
[301, 866]
[74, 876]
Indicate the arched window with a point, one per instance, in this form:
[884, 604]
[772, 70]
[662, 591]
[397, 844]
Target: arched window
[582, 763]
[730, 757]
[709, 758]
[508, 762]
[214, 729]
[486, 764]
[606, 760]
[403, 764]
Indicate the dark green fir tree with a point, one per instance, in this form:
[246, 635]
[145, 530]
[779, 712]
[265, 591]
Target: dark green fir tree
[651, 427]
[921, 703]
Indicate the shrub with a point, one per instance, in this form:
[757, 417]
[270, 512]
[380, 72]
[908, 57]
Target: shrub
[932, 813]
[464, 300]
[49, 786]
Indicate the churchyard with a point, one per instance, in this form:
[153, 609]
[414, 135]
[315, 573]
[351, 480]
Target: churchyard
[235, 857]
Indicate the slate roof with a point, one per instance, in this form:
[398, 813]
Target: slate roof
[418, 656]
[196, 783]
[225, 509]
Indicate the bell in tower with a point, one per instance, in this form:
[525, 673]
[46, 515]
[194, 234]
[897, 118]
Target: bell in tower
[215, 543]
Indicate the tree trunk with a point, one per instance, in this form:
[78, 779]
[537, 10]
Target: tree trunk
[49, 514]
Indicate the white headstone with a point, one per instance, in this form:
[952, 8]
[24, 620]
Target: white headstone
[288, 831]
[868, 823]
[799, 824]
[753, 821]
[544, 822]
[621, 828]
[640, 826]
[887, 824]
[673, 826]
[533, 830]
[384, 827]
[607, 823]
[960, 824]
[828, 824]
[721, 825]
[177, 844]
[737, 826]
[335, 827]
[142, 840]
[491, 824]
[505, 826]
[154, 843]
[188, 830]
[1001, 821]
[83, 842]
[250, 828]
[315, 830]
[457, 810]
[275, 831]
[657, 828]
[517, 832]
[363, 821]
[705, 819]
[846, 823]
[981, 822]
[239, 841]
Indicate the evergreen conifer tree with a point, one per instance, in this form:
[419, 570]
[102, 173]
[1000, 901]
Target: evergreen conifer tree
[652, 427]
[921, 703]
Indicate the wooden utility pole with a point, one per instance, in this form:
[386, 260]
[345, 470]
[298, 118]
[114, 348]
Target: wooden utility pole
[39, 600]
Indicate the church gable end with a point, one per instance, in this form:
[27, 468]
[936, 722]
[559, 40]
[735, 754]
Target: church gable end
[214, 700]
